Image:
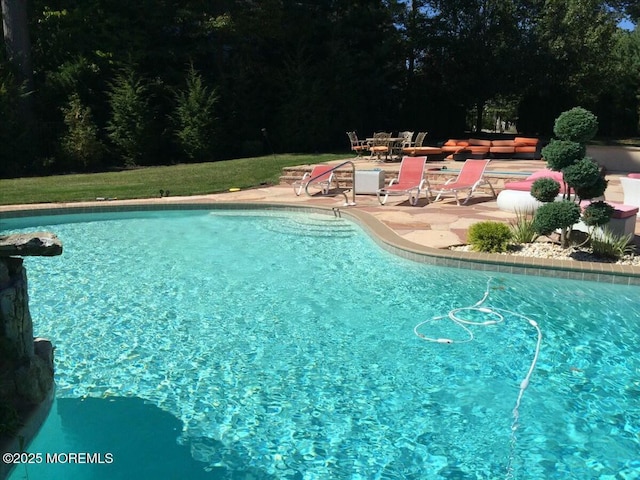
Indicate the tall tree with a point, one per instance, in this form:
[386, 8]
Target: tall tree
[475, 44]
[576, 33]
[16, 38]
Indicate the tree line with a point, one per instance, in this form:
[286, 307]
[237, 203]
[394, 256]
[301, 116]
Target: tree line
[97, 84]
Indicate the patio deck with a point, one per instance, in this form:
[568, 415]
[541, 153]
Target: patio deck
[423, 230]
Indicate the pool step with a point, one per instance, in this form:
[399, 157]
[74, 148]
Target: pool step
[313, 226]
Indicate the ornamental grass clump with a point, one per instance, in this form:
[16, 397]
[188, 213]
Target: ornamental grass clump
[491, 237]
[608, 244]
[522, 230]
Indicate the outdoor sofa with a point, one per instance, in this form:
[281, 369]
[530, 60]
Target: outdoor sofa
[518, 148]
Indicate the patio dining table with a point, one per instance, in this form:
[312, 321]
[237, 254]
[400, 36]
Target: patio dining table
[393, 143]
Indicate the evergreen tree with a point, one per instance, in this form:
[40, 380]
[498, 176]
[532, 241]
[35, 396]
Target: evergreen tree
[81, 144]
[195, 118]
[130, 123]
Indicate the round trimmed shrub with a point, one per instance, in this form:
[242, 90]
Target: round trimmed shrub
[562, 153]
[597, 214]
[577, 125]
[593, 191]
[556, 215]
[489, 236]
[583, 173]
[545, 189]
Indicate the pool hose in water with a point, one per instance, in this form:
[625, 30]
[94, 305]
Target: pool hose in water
[496, 315]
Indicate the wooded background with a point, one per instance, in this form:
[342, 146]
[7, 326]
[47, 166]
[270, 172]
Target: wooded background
[99, 84]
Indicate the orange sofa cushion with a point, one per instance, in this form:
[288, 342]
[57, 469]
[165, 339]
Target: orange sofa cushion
[510, 149]
[452, 145]
[503, 143]
[529, 149]
[525, 141]
[420, 151]
[479, 143]
[452, 142]
[477, 149]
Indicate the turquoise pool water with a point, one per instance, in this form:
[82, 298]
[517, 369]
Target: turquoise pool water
[268, 345]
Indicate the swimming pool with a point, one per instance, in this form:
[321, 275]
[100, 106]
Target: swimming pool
[272, 345]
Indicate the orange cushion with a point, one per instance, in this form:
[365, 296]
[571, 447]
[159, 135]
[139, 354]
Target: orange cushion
[529, 149]
[526, 141]
[511, 149]
[413, 151]
[478, 142]
[452, 148]
[502, 143]
[476, 149]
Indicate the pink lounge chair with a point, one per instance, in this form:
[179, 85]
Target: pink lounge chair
[471, 176]
[321, 176]
[409, 182]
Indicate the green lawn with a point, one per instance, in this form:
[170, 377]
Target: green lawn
[184, 179]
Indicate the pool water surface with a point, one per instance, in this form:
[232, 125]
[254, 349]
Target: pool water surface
[273, 345]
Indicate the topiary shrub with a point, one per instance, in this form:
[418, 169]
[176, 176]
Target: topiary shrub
[567, 155]
[557, 216]
[545, 189]
[597, 214]
[561, 153]
[584, 176]
[576, 125]
[489, 237]
[593, 191]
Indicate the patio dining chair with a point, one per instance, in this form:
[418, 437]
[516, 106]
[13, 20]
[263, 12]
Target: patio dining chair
[410, 181]
[380, 145]
[471, 177]
[357, 146]
[406, 140]
[411, 148]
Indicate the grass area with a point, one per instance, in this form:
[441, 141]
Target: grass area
[183, 179]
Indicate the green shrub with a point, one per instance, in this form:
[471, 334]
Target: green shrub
[608, 244]
[557, 216]
[577, 125]
[522, 230]
[129, 127]
[597, 214]
[81, 143]
[582, 173]
[594, 191]
[194, 118]
[561, 153]
[545, 189]
[489, 237]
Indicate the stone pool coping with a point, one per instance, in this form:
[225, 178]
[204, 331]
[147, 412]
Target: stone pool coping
[383, 235]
